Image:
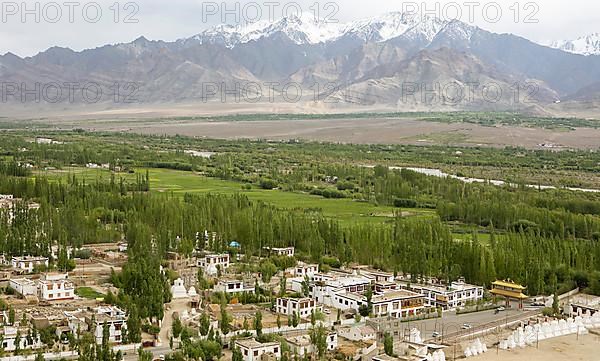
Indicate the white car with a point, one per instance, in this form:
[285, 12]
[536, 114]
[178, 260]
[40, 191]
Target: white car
[466, 326]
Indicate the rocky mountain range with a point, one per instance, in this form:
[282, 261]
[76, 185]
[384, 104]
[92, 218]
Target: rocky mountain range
[402, 60]
[584, 45]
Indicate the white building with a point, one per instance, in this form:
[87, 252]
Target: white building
[347, 292]
[233, 286]
[398, 304]
[114, 317]
[252, 350]
[376, 276]
[302, 345]
[27, 264]
[211, 263]
[281, 251]
[327, 288]
[55, 287]
[116, 320]
[385, 286]
[23, 286]
[305, 270]
[358, 333]
[303, 307]
[9, 337]
[458, 294]
[347, 301]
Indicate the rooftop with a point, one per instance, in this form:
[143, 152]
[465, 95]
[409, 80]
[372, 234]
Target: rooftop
[303, 340]
[22, 281]
[509, 284]
[29, 258]
[252, 343]
[394, 295]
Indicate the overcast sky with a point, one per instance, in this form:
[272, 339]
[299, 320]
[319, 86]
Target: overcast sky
[173, 19]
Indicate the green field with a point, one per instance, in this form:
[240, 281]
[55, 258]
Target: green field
[181, 182]
[89, 293]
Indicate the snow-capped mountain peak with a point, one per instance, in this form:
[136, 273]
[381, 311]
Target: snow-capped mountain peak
[303, 29]
[585, 45]
[394, 24]
[307, 29]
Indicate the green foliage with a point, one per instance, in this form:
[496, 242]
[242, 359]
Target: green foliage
[11, 316]
[318, 337]
[520, 232]
[204, 324]
[134, 325]
[39, 356]
[405, 203]
[388, 344]
[237, 355]
[177, 327]
[258, 323]
[144, 355]
[266, 183]
[225, 320]
[268, 270]
[89, 293]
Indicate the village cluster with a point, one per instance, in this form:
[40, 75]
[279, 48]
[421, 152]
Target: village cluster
[368, 314]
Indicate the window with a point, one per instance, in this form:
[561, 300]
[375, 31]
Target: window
[276, 349]
[256, 353]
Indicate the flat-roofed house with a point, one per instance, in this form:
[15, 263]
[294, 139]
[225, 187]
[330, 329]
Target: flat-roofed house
[305, 269]
[303, 307]
[301, 345]
[281, 251]
[211, 263]
[116, 320]
[23, 286]
[28, 263]
[233, 286]
[253, 350]
[446, 297]
[9, 339]
[398, 304]
[56, 287]
[358, 333]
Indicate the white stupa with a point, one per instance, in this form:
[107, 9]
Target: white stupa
[178, 289]
[415, 336]
[192, 292]
[184, 315]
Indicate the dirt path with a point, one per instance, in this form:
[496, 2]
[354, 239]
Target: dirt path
[178, 306]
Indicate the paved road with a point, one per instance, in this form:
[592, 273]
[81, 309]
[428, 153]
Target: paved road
[156, 352]
[451, 324]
